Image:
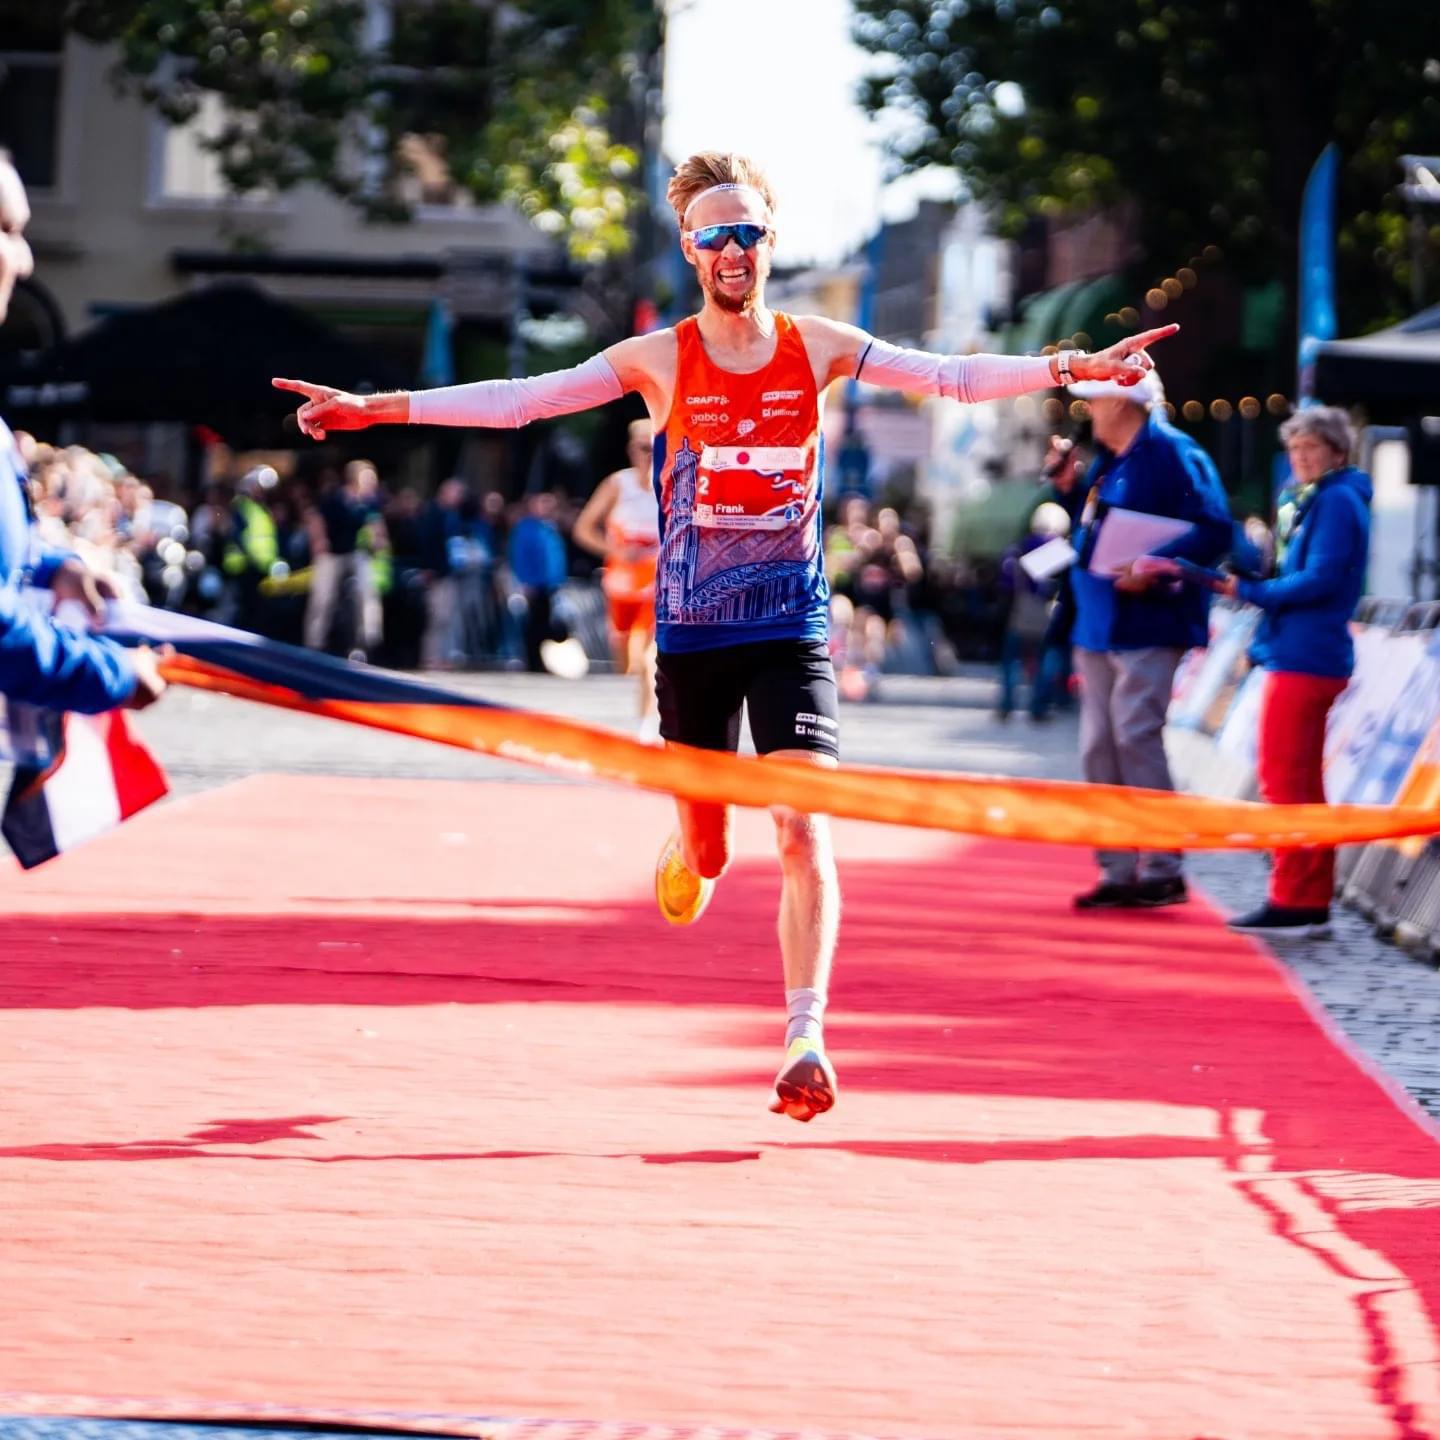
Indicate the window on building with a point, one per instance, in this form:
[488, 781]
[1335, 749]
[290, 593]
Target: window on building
[30, 85]
[188, 170]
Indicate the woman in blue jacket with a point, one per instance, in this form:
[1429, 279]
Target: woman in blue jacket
[1304, 646]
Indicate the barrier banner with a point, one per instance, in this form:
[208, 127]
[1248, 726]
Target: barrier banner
[1201, 697]
[1384, 662]
[1191, 666]
[1420, 789]
[1239, 736]
[235, 663]
[1396, 741]
[1398, 875]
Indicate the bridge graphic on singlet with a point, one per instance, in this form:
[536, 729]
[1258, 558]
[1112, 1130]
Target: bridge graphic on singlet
[751, 590]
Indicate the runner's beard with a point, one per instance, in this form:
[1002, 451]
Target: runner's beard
[736, 304]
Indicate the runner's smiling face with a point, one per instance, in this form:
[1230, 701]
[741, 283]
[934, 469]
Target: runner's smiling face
[733, 278]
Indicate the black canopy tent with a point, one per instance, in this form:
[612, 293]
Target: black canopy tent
[205, 358]
[1394, 373]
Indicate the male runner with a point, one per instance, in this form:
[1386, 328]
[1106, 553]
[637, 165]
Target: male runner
[619, 522]
[741, 598]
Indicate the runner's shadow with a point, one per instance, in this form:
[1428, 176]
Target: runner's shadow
[202, 1144]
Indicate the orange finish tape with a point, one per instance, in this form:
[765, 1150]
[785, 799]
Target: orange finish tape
[1055, 811]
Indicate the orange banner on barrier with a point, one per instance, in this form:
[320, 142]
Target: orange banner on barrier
[1055, 811]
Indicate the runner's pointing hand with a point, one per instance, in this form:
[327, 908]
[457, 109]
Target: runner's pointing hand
[326, 408]
[1125, 362]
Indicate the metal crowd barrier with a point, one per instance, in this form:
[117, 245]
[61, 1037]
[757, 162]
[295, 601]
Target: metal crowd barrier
[1396, 885]
[1384, 747]
[1416, 920]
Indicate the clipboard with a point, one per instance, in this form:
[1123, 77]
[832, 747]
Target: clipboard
[1126, 535]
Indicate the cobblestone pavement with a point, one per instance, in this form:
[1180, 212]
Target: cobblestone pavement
[1385, 1000]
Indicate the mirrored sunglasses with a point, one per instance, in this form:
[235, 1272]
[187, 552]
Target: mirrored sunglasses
[716, 237]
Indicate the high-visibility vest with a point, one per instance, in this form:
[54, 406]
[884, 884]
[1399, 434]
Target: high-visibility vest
[256, 545]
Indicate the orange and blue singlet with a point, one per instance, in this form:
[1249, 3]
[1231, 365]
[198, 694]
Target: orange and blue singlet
[739, 476]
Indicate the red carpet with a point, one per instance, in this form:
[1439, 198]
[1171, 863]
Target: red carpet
[425, 1109]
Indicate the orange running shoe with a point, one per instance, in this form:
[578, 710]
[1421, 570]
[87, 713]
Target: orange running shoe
[805, 1086]
[681, 894]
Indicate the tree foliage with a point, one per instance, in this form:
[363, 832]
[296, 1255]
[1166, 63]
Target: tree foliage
[513, 100]
[1204, 115]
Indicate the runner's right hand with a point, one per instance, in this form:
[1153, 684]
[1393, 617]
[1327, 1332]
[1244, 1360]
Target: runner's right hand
[326, 408]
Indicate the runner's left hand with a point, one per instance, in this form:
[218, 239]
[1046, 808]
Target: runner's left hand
[1125, 362]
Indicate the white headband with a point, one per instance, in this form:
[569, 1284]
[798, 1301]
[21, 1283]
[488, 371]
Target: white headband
[715, 190]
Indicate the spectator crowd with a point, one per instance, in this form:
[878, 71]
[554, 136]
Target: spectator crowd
[467, 578]
[336, 561]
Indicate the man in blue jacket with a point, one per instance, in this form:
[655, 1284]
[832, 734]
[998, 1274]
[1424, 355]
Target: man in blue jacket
[1132, 627]
[40, 663]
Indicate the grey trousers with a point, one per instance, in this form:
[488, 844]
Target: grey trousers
[1123, 699]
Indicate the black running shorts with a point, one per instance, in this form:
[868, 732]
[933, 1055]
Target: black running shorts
[786, 686]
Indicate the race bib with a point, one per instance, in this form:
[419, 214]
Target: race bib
[741, 487]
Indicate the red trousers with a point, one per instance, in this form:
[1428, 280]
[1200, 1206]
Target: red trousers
[1291, 756]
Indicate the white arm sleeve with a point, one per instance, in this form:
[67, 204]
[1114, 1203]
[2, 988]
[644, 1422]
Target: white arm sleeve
[509, 404]
[970, 378]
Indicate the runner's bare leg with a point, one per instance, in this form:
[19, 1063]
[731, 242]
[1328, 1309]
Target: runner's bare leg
[809, 923]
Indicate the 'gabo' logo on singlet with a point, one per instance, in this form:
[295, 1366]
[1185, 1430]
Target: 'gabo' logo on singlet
[760, 487]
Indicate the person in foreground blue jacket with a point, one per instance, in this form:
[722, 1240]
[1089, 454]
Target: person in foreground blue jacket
[41, 663]
[1132, 628]
[1304, 646]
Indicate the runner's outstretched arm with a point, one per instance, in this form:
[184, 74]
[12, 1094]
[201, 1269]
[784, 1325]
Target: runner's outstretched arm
[496, 404]
[851, 353]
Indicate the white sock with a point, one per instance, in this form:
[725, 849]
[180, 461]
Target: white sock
[806, 1009]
